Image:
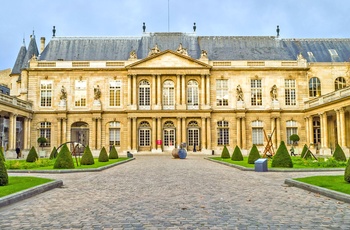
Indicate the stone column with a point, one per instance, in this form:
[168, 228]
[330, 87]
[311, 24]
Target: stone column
[134, 91]
[342, 128]
[183, 126]
[159, 132]
[307, 130]
[154, 133]
[94, 133]
[202, 96]
[274, 136]
[178, 132]
[178, 90]
[322, 129]
[159, 92]
[58, 131]
[99, 133]
[311, 132]
[129, 135]
[208, 133]
[208, 90]
[154, 92]
[25, 133]
[12, 131]
[183, 91]
[134, 134]
[129, 90]
[204, 135]
[278, 131]
[239, 132]
[244, 138]
[64, 130]
[325, 130]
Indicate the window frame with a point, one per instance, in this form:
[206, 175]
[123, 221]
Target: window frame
[223, 133]
[222, 92]
[46, 87]
[256, 92]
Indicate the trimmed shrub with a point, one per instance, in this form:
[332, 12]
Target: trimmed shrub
[294, 138]
[64, 159]
[282, 158]
[53, 153]
[113, 154]
[347, 172]
[339, 154]
[4, 178]
[225, 153]
[305, 149]
[103, 157]
[253, 155]
[87, 158]
[237, 154]
[32, 155]
[2, 155]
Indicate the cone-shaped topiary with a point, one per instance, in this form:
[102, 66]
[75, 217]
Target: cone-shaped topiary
[64, 159]
[32, 155]
[103, 157]
[237, 154]
[4, 178]
[253, 155]
[53, 153]
[113, 154]
[307, 155]
[87, 158]
[282, 158]
[347, 172]
[305, 149]
[2, 155]
[225, 153]
[339, 154]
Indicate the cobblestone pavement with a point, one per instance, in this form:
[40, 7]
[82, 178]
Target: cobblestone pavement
[158, 192]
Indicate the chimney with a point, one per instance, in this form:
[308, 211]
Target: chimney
[42, 44]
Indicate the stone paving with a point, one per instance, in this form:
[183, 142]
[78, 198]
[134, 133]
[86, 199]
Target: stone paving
[158, 192]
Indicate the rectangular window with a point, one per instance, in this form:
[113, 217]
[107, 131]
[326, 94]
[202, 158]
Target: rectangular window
[114, 137]
[256, 91]
[145, 137]
[80, 93]
[258, 136]
[290, 95]
[45, 131]
[114, 93]
[291, 131]
[45, 93]
[223, 136]
[222, 92]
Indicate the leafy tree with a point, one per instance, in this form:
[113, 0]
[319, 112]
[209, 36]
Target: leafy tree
[4, 178]
[53, 153]
[113, 154]
[237, 154]
[253, 155]
[42, 141]
[32, 155]
[87, 158]
[339, 154]
[64, 159]
[282, 158]
[2, 156]
[347, 172]
[225, 153]
[103, 157]
[294, 138]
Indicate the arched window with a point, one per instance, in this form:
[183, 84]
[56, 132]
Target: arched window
[192, 95]
[168, 95]
[45, 131]
[257, 132]
[144, 95]
[144, 134]
[292, 128]
[223, 133]
[314, 87]
[114, 133]
[339, 83]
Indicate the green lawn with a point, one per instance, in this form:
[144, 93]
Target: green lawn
[336, 183]
[298, 163]
[47, 164]
[18, 183]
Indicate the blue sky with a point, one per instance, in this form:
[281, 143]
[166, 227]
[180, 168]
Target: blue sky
[297, 19]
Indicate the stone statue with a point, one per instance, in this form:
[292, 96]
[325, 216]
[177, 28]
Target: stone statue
[300, 57]
[133, 55]
[154, 50]
[97, 93]
[273, 93]
[239, 93]
[182, 50]
[204, 54]
[63, 95]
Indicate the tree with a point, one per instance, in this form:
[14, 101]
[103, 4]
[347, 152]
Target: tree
[225, 153]
[42, 141]
[113, 154]
[53, 153]
[2, 156]
[32, 155]
[237, 154]
[347, 172]
[4, 178]
[103, 157]
[339, 154]
[282, 157]
[87, 158]
[294, 138]
[303, 152]
[64, 159]
[253, 155]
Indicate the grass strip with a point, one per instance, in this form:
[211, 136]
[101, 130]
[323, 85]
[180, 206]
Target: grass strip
[19, 183]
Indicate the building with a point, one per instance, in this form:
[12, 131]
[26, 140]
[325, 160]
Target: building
[153, 92]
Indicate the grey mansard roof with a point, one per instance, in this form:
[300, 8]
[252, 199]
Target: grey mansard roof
[24, 56]
[217, 47]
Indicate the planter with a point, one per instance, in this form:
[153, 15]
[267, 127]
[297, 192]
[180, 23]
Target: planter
[182, 153]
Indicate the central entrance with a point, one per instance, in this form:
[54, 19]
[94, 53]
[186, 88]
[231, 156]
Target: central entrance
[169, 135]
[193, 136]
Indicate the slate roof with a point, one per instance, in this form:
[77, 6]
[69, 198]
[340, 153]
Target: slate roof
[217, 47]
